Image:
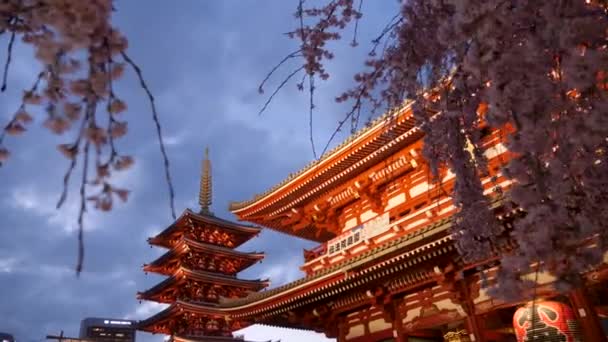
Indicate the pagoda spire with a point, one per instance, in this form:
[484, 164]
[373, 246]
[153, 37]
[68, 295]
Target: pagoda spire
[204, 197]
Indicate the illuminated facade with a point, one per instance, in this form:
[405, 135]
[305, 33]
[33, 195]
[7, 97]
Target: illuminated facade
[386, 268]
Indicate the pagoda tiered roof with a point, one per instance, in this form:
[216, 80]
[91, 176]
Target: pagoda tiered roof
[202, 265]
[386, 135]
[169, 262]
[165, 291]
[182, 315]
[239, 233]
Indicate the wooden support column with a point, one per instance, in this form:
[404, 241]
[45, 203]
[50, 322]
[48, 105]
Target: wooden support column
[590, 323]
[473, 323]
[398, 333]
[397, 321]
[342, 329]
[473, 326]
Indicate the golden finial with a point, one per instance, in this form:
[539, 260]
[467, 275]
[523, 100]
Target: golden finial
[204, 198]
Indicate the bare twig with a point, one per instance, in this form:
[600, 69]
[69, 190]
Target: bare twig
[82, 210]
[354, 41]
[355, 121]
[9, 55]
[68, 173]
[311, 83]
[390, 26]
[158, 131]
[279, 88]
[277, 66]
[340, 124]
[111, 98]
[300, 14]
[22, 105]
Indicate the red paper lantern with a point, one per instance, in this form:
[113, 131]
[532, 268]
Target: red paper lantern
[552, 321]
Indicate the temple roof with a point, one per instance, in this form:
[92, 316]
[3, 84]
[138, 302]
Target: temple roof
[400, 255]
[176, 308]
[403, 256]
[206, 277]
[387, 135]
[406, 250]
[327, 156]
[185, 244]
[241, 231]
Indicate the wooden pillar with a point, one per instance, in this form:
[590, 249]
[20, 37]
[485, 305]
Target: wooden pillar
[473, 324]
[587, 317]
[474, 328]
[342, 329]
[398, 323]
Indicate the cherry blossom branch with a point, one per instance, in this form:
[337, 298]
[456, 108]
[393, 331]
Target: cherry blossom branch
[499, 57]
[9, 54]
[358, 98]
[294, 54]
[355, 31]
[144, 86]
[16, 124]
[283, 83]
[311, 87]
[71, 152]
[66, 36]
[82, 209]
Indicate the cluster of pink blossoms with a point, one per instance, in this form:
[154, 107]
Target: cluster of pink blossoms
[540, 67]
[81, 56]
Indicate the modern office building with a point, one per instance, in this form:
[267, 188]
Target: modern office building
[107, 330]
[6, 337]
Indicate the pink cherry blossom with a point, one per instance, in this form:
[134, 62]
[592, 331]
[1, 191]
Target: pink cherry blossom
[535, 67]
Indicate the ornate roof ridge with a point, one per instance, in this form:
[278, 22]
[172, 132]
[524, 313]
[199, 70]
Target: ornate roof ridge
[166, 312]
[222, 249]
[221, 276]
[226, 223]
[202, 274]
[236, 205]
[173, 307]
[223, 223]
[184, 241]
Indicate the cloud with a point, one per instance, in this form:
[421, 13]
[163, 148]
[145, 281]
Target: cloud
[284, 272]
[145, 310]
[7, 265]
[30, 200]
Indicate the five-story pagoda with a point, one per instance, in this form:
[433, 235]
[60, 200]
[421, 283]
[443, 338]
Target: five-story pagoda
[202, 265]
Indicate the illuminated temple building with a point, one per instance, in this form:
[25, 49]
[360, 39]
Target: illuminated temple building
[386, 268]
[201, 265]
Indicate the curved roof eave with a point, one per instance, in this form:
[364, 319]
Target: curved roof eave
[237, 207]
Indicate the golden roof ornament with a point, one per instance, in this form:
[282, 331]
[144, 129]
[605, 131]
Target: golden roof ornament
[457, 336]
[204, 197]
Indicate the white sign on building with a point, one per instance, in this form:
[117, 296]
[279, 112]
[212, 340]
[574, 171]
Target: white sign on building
[368, 230]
